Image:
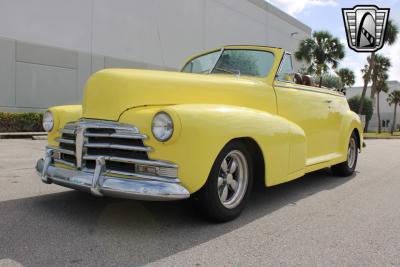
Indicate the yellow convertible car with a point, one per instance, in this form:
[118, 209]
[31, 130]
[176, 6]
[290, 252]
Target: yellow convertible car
[229, 118]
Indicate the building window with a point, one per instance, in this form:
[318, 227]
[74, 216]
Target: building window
[383, 123]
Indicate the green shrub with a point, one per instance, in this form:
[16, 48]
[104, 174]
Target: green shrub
[368, 110]
[330, 81]
[21, 122]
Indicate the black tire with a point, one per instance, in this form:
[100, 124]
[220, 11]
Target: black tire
[208, 201]
[348, 167]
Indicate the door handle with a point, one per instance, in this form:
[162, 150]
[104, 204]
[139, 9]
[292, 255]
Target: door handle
[328, 101]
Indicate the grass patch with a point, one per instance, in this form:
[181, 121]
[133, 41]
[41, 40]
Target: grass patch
[21, 122]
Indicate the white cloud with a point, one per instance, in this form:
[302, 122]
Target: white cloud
[296, 6]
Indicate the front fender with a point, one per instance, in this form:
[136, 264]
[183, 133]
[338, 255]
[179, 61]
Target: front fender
[203, 130]
[63, 115]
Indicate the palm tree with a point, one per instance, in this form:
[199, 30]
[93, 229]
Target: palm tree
[320, 52]
[392, 31]
[381, 67]
[381, 86]
[364, 72]
[347, 77]
[394, 98]
[366, 78]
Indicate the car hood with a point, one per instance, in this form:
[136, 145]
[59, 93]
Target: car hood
[110, 92]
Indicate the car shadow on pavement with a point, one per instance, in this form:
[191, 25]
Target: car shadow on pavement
[75, 228]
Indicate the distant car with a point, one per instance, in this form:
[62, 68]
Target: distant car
[230, 117]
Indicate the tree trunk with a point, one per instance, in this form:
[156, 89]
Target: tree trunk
[366, 125]
[372, 95]
[320, 81]
[373, 90]
[368, 76]
[394, 117]
[379, 113]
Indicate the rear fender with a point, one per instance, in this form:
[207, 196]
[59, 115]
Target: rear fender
[350, 122]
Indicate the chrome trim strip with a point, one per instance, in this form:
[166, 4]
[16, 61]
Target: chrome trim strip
[309, 89]
[66, 141]
[67, 131]
[80, 140]
[116, 135]
[132, 136]
[122, 147]
[167, 172]
[96, 124]
[143, 176]
[61, 150]
[134, 161]
[64, 162]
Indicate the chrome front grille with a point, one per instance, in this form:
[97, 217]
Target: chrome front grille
[66, 148]
[121, 146]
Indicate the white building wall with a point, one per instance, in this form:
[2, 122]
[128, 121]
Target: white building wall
[385, 110]
[48, 48]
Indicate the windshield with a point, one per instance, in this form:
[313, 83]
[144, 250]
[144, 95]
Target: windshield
[234, 61]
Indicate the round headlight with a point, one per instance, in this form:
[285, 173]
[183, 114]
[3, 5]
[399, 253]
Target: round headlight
[48, 121]
[162, 126]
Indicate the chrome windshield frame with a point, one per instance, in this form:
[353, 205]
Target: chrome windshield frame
[220, 52]
[216, 61]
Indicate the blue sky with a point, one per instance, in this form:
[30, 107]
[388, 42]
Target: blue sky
[327, 15]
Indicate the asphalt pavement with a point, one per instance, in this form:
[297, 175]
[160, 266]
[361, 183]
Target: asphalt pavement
[317, 220]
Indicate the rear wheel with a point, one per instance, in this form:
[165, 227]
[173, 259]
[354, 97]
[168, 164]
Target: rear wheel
[348, 167]
[227, 189]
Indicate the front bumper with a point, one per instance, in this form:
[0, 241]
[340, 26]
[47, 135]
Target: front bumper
[100, 184]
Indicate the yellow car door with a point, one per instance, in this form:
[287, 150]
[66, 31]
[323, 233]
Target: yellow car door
[336, 103]
[308, 107]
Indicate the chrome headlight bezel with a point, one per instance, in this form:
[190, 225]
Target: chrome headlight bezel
[48, 121]
[162, 126]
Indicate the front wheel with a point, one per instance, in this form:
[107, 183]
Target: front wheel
[348, 167]
[228, 186]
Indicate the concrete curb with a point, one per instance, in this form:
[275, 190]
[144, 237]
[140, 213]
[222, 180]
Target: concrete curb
[16, 135]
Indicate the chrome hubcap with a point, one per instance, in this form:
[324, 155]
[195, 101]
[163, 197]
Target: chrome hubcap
[232, 179]
[351, 153]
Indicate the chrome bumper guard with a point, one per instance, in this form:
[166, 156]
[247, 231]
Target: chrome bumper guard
[100, 184]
